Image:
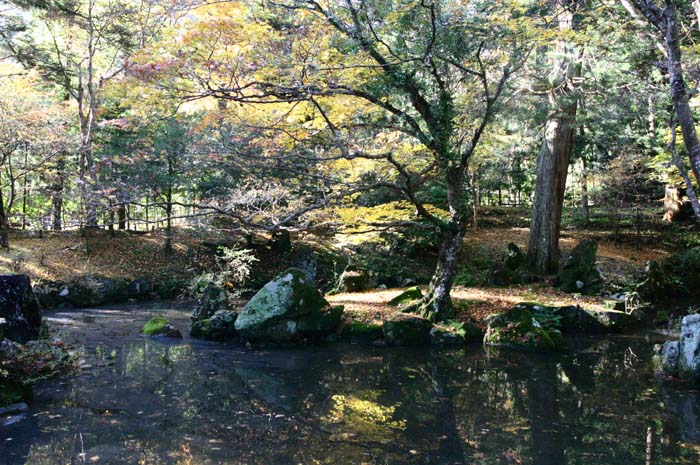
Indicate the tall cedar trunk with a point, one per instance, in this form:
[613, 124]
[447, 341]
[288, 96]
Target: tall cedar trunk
[437, 304]
[553, 158]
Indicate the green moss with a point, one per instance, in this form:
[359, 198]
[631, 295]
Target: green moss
[364, 330]
[407, 296]
[155, 325]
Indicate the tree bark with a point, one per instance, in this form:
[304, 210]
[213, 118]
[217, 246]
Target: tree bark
[57, 194]
[554, 156]
[585, 208]
[679, 90]
[4, 225]
[437, 303]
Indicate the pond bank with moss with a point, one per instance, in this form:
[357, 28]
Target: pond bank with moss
[139, 399]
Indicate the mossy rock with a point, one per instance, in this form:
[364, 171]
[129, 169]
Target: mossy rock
[402, 329]
[353, 281]
[406, 297]
[212, 300]
[455, 333]
[520, 329]
[287, 308]
[363, 331]
[579, 273]
[221, 326]
[160, 326]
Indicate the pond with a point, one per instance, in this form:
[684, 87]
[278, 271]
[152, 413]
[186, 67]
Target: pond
[148, 401]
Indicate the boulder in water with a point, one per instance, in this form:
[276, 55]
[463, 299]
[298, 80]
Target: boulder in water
[681, 358]
[213, 299]
[287, 308]
[220, 326]
[160, 326]
[455, 333]
[19, 308]
[403, 329]
[524, 327]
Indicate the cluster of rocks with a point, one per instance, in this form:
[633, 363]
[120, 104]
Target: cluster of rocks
[681, 358]
[94, 290]
[512, 269]
[534, 327]
[289, 308]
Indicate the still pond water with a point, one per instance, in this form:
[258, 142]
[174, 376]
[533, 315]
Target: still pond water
[145, 401]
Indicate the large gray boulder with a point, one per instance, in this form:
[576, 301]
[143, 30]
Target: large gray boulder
[579, 273]
[19, 308]
[681, 358]
[287, 308]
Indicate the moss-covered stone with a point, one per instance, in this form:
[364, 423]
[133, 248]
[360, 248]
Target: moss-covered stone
[287, 308]
[353, 280]
[579, 273]
[524, 328]
[221, 326]
[402, 329]
[213, 299]
[406, 297]
[160, 326]
[363, 331]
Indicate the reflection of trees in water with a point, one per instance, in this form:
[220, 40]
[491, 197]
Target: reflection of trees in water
[171, 403]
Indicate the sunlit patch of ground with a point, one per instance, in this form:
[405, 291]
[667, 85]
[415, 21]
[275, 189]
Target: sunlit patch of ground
[616, 260]
[57, 256]
[474, 302]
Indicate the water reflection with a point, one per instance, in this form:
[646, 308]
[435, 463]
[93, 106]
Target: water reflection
[151, 402]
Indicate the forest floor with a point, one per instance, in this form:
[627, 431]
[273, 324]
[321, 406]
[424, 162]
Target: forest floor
[58, 256]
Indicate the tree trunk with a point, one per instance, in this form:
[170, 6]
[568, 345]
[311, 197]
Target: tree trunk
[437, 304]
[679, 91]
[585, 210]
[554, 156]
[121, 215]
[57, 195]
[4, 225]
[168, 223]
[672, 202]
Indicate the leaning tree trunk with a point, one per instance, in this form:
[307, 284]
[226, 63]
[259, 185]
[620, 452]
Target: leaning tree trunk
[679, 92]
[553, 158]
[437, 303]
